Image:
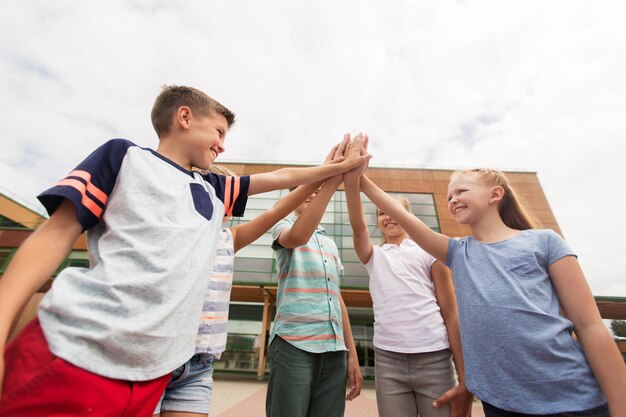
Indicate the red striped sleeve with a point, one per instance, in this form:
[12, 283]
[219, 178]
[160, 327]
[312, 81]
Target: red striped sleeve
[86, 201]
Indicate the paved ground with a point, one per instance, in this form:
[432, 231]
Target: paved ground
[245, 397]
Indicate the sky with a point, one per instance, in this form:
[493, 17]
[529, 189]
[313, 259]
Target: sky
[522, 85]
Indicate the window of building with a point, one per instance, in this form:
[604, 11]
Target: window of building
[243, 341]
[255, 263]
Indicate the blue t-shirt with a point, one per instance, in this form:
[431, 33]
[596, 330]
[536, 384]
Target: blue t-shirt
[518, 349]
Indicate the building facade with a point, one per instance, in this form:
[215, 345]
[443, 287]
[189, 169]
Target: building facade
[255, 280]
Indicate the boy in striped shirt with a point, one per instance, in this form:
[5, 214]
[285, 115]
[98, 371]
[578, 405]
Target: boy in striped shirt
[191, 386]
[311, 331]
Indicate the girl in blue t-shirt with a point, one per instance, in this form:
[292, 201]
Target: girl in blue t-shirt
[510, 279]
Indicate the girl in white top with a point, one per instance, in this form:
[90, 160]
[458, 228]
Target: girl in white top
[416, 324]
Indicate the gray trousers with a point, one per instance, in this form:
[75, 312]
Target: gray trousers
[408, 383]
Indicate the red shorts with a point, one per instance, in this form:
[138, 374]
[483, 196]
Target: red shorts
[37, 383]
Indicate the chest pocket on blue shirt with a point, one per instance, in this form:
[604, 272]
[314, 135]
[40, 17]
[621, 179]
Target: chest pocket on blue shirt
[524, 266]
[202, 201]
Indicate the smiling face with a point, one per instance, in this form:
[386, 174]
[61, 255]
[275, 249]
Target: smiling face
[468, 197]
[206, 138]
[392, 231]
[388, 226]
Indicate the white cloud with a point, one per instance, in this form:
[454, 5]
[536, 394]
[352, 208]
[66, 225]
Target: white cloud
[528, 85]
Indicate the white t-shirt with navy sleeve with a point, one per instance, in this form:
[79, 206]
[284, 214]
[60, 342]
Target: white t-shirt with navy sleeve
[518, 349]
[152, 228]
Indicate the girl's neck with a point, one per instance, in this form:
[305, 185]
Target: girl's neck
[396, 240]
[491, 229]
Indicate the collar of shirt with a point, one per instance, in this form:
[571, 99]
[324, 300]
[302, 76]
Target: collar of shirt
[405, 242]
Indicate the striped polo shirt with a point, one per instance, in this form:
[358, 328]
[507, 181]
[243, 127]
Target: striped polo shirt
[308, 310]
[214, 318]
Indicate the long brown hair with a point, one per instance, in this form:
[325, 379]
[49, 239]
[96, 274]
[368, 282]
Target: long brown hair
[512, 211]
[405, 203]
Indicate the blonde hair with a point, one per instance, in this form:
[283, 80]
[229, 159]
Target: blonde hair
[221, 170]
[512, 211]
[405, 203]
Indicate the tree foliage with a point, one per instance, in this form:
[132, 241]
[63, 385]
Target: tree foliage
[619, 327]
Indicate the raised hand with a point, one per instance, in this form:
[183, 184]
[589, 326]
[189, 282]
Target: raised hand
[354, 151]
[352, 177]
[336, 153]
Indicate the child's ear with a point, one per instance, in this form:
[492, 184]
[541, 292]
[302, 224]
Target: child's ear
[183, 115]
[497, 194]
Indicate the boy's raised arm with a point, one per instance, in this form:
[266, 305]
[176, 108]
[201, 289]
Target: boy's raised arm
[247, 233]
[291, 177]
[309, 219]
[34, 262]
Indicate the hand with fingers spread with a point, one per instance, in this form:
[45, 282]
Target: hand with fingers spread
[353, 176]
[335, 155]
[353, 153]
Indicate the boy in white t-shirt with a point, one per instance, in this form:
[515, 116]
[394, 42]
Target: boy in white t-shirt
[108, 336]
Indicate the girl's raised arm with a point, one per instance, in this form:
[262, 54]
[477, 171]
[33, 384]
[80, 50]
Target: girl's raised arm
[432, 242]
[602, 353]
[360, 234]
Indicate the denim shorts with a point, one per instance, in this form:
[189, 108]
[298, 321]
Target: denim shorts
[190, 388]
